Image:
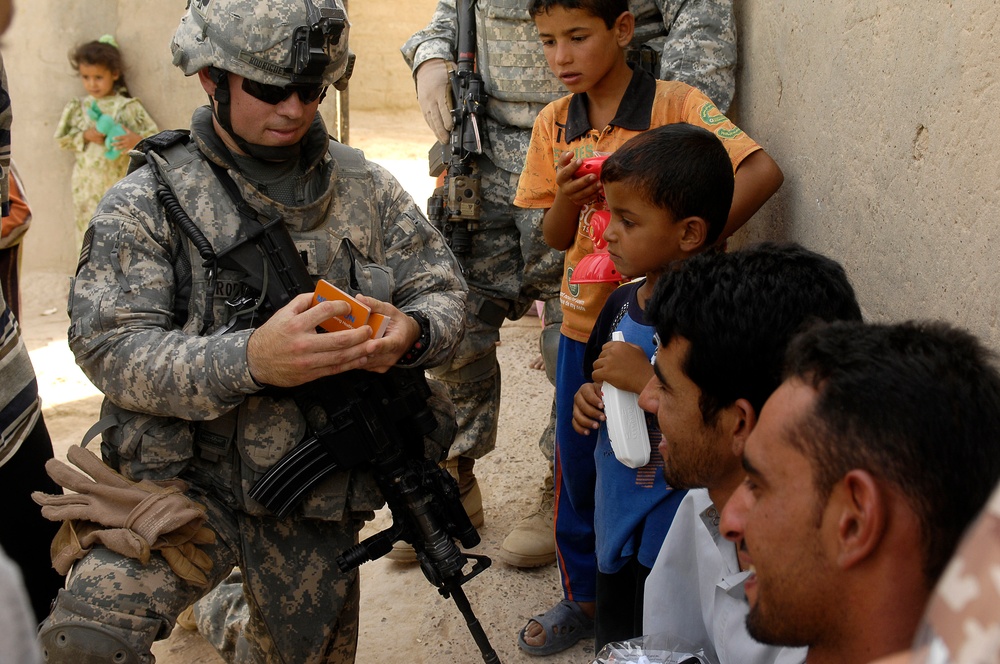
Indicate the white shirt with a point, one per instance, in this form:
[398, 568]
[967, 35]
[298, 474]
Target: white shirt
[695, 590]
[17, 621]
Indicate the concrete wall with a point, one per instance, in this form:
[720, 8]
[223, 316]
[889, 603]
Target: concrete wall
[878, 111]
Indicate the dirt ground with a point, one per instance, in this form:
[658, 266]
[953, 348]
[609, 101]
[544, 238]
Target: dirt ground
[403, 618]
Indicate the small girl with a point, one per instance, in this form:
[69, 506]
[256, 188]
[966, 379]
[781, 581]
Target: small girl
[99, 165]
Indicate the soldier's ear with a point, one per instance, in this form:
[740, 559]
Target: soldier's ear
[206, 81]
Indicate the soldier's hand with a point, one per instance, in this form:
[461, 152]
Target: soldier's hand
[400, 335]
[434, 97]
[287, 350]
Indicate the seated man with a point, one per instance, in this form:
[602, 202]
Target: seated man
[868, 463]
[723, 322]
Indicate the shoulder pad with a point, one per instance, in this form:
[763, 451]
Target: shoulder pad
[350, 161]
[163, 140]
[158, 143]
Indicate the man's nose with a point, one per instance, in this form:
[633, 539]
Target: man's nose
[733, 520]
[647, 398]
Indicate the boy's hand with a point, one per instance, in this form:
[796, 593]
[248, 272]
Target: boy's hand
[623, 365]
[578, 190]
[588, 409]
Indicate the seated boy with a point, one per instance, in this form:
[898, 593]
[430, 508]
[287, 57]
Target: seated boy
[584, 43]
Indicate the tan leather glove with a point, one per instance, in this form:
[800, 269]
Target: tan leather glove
[130, 518]
[144, 507]
[434, 96]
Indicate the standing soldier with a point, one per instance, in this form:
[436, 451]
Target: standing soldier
[509, 265]
[193, 394]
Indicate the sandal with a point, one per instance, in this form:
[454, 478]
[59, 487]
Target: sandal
[564, 625]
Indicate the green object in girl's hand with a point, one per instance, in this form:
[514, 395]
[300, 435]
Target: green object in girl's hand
[107, 126]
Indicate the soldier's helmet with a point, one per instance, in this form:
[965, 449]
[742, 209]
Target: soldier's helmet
[275, 42]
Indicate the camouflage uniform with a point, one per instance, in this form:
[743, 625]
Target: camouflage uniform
[962, 623]
[186, 404]
[509, 264]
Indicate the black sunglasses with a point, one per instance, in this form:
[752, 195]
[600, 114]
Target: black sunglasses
[275, 94]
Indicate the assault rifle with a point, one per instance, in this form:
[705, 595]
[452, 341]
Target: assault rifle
[456, 205]
[356, 419]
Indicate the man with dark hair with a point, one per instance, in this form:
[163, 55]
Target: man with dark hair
[869, 461]
[723, 322]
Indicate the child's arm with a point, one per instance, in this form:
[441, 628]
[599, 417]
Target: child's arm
[559, 225]
[71, 132]
[623, 365]
[588, 409]
[757, 178]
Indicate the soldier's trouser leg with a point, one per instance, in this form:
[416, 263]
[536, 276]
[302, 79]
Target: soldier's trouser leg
[222, 614]
[114, 607]
[576, 477]
[300, 608]
[472, 379]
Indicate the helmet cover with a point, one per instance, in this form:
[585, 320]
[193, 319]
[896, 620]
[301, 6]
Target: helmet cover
[275, 42]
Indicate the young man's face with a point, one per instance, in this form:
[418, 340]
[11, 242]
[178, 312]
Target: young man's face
[642, 238]
[260, 123]
[579, 48]
[694, 453]
[780, 519]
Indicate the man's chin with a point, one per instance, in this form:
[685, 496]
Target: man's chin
[770, 630]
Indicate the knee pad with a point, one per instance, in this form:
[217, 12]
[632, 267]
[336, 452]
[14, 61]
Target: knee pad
[85, 643]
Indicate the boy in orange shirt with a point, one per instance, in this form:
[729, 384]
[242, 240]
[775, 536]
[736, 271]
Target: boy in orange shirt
[584, 43]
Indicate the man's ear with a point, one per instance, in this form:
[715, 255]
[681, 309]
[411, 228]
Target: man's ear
[624, 29]
[695, 230]
[744, 420]
[859, 505]
[206, 81]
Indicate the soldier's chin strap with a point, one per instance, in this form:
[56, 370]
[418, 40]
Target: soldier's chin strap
[221, 111]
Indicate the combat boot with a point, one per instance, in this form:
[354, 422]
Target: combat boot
[532, 543]
[461, 468]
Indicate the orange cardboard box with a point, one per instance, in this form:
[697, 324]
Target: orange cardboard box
[360, 314]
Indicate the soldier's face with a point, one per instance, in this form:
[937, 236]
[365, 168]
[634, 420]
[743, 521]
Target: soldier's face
[260, 123]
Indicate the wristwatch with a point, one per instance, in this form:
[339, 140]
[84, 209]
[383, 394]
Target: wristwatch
[421, 344]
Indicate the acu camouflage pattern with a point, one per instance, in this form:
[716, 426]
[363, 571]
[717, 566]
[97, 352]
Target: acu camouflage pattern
[187, 405]
[229, 34]
[509, 263]
[962, 624]
[315, 607]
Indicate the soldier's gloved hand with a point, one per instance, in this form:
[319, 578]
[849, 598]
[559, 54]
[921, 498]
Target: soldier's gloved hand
[434, 96]
[105, 497]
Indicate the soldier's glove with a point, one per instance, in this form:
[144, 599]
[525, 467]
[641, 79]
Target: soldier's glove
[130, 518]
[434, 96]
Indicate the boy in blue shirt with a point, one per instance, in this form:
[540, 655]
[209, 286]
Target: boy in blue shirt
[669, 191]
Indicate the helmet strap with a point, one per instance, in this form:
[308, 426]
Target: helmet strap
[221, 111]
